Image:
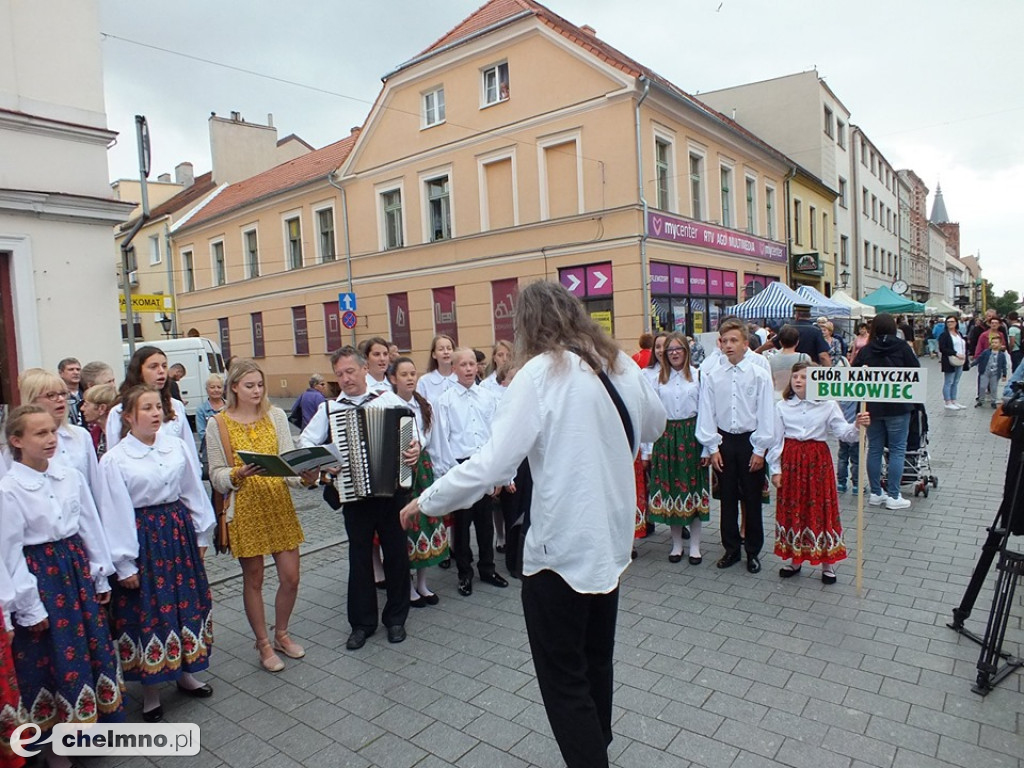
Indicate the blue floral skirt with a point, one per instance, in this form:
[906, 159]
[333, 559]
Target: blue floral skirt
[164, 627]
[67, 673]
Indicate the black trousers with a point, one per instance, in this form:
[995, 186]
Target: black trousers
[479, 516]
[515, 509]
[572, 639]
[362, 520]
[737, 483]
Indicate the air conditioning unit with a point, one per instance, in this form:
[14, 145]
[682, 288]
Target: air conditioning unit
[133, 278]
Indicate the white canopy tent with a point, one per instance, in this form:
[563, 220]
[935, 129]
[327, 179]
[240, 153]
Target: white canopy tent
[857, 310]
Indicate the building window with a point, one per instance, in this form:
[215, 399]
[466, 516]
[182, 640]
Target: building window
[769, 209]
[391, 204]
[865, 199]
[561, 176]
[829, 123]
[874, 164]
[293, 235]
[439, 208]
[332, 326]
[495, 84]
[826, 237]
[663, 172]
[300, 330]
[258, 348]
[154, 249]
[252, 253]
[874, 208]
[841, 133]
[433, 107]
[863, 153]
[867, 255]
[812, 214]
[498, 195]
[751, 189]
[325, 234]
[696, 186]
[726, 174]
[842, 192]
[188, 272]
[844, 251]
[874, 257]
[224, 332]
[219, 270]
[797, 222]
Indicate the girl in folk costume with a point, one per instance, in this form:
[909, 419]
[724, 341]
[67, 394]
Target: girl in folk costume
[263, 516]
[11, 713]
[678, 492]
[53, 547]
[642, 465]
[159, 523]
[807, 526]
[428, 539]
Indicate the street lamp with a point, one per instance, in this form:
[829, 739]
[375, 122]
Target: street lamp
[844, 278]
[166, 323]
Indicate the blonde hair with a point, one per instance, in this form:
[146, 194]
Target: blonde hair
[666, 367]
[102, 394]
[239, 369]
[215, 378]
[15, 426]
[499, 344]
[34, 382]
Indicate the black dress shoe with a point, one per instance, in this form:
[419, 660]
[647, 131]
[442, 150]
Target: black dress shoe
[495, 580]
[466, 587]
[728, 560]
[753, 564]
[357, 639]
[675, 558]
[828, 578]
[419, 602]
[204, 691]
[431, 599]
[786, 572]
[696, 559]
[396, 634]
[154, 715]
[633, 554]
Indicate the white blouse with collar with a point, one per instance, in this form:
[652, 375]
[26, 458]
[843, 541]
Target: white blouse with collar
[40, 507]
[140, 475]
[432, 385]
[807, 420]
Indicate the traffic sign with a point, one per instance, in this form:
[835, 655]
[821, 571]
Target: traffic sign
[148, 302]
[347, 302]
[349, 319]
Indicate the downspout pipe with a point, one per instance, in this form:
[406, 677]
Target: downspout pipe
[644, 272]
[789, 228]
[348, 244]
[129, 316]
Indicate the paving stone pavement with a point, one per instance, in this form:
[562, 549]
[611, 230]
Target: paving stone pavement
[713, 668]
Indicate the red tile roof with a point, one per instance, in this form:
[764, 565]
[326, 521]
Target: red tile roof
[202, 185]
[280, 178]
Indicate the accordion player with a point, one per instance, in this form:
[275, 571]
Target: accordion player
[371, 442]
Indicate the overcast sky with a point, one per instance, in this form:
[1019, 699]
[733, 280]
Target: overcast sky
[934, 83]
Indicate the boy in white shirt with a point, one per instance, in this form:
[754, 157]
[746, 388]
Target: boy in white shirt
[464, 414]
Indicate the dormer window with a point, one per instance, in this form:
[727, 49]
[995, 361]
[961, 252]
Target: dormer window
[495, 84]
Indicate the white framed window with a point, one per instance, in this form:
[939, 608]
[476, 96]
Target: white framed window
[664, 171]
[390, 215]
[812, 219]
[769, 210]
[866, 206]
[844, 251]
[829, 123]
[327, 249]
[843, 202]
[292, 241]
[433, 107]
[220, 272]
[798, 222]
[188, 271]
[499, 189]
[750, 189]
[697, 181]
[725, 175]
[251, 250]
[437, 211]
[494, 84]
[560, 157]
[841, 133]
[154, 249]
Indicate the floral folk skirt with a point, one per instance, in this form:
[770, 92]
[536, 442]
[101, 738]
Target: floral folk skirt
[640, 520]
[165, 626]
[428, 539]
[11, 713]
[67, 673]
[807, 525]
[679, 484]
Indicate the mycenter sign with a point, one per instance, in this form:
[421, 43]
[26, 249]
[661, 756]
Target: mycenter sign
[148, 302]
[874, 385]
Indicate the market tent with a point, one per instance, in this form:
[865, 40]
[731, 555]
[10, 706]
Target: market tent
[775, 302]
[885, 299]
[943, 307]
[822, 304]
[857, 310]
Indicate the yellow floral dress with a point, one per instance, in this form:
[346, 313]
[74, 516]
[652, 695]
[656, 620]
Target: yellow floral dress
[265, 521]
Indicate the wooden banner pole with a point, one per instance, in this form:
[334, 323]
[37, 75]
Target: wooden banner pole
[862, 490]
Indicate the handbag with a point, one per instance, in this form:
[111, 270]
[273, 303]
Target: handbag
[222, 501]
[1002, 423]
[957, 360]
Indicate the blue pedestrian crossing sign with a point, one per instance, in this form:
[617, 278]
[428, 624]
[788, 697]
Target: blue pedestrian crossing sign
[347, 302]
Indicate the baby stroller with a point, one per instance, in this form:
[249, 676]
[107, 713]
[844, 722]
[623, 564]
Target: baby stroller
[917, 463]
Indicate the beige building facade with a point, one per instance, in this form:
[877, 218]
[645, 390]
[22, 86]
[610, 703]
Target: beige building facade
[475, 174]
[812, 234]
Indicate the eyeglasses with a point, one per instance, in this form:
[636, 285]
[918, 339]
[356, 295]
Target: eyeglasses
[53, 397]
[670, 350]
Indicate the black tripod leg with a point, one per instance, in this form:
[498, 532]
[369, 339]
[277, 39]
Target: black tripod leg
[993, 543]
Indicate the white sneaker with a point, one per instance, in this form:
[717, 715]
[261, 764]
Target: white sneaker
[898, 503]
[951, 407]
[876, 499]
[960, 406]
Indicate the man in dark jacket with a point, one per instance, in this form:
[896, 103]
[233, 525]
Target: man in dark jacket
[890, 422]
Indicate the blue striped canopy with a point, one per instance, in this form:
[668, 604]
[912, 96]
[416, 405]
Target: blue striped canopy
[775, 302]
[822, 304]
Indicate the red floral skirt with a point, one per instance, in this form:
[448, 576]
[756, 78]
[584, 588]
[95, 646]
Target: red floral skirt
[640, 521]
[807, 525]
[11, 714]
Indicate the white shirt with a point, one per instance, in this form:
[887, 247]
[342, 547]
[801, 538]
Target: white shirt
[808, 420]
[39, 507]
[491, 385]
[422, 433]
[463, 417]
[372, 385]
[318, 431]
[140, 475]
[178, 426]
[74, 449]
[557, 414]
[736, 398]
[679, 396]
[959, 345]
[432, 385]
[717, 357]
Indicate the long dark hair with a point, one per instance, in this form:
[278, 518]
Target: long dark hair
[883, 325]
[133, 378]
[423, 403]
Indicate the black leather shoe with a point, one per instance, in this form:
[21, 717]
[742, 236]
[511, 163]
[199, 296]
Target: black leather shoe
[155, 715]
[728, 560]
[204, 691]
[357, 639]
[466, 587]
[696, 559]
[396, 634]
[788, 573]
[753, 564]
[675, 558]
[419, 602]
[828, 578]
[495, 580]
[430, 599]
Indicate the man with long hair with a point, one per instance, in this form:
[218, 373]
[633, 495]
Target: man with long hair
[560, 412]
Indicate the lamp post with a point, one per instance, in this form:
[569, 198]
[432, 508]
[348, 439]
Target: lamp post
[166, 323]
[844, 278]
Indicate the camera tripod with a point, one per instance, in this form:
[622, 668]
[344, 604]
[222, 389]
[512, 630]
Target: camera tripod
[994, 664]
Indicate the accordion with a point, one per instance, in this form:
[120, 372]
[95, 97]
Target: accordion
[371, 442]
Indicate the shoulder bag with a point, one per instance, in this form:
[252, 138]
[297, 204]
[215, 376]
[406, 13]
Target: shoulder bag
[222, 501]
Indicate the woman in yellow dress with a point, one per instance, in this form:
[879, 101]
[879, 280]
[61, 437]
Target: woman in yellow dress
[261, 517]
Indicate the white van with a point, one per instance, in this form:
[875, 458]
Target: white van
[199, 355]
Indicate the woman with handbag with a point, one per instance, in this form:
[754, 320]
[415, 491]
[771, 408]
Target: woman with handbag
[261, 518]
[953, 359]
